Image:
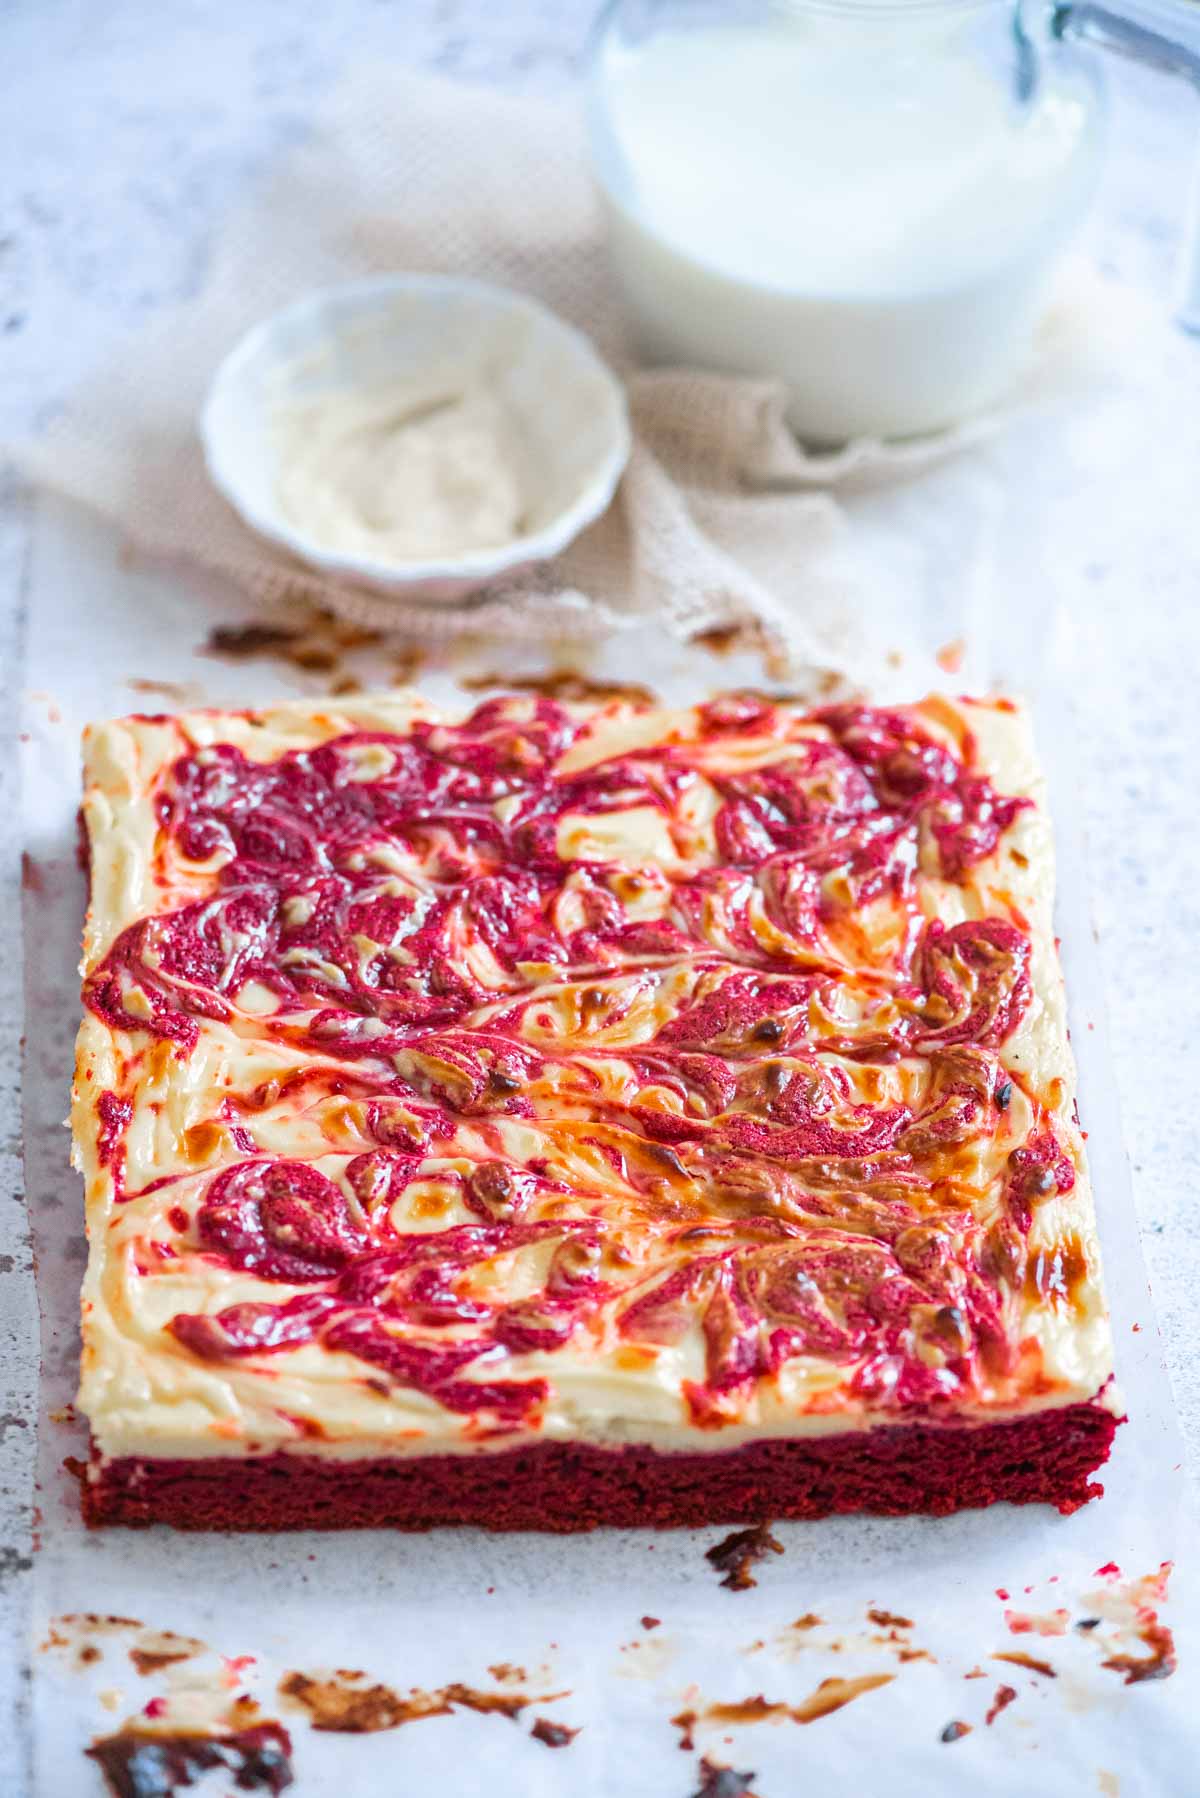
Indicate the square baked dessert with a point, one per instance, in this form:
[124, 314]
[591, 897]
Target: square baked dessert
[558, 1115]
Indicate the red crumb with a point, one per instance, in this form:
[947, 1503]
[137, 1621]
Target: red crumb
[1002, 1700]
[554, 1735]
[1031, 1623]
[722, 1782]
[738, 1553]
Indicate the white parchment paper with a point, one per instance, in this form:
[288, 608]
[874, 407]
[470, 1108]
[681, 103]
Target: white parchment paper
[423, 1611]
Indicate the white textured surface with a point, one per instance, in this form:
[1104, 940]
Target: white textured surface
[128, 129]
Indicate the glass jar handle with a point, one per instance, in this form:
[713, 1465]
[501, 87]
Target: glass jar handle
[1136, 34]
[1127, 34]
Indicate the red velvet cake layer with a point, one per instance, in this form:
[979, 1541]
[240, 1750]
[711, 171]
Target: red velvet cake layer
[1045, 1458]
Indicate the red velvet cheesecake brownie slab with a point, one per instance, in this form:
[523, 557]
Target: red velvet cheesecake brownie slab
[555, 1115]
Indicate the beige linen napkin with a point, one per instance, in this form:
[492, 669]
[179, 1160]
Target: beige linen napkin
[721, 519]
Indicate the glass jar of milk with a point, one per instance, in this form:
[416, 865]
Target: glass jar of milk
[864, 198]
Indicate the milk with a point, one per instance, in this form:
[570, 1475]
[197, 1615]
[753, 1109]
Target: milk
[863, 210]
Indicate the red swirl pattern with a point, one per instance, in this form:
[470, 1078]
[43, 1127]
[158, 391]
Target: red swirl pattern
[777, 1066]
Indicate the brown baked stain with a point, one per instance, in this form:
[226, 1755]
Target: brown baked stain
[1159, 1663]
[831, 1695]
[737, 1554]
[565, 684]
[243, 642]
[432, 1204]
[345, 1703]
[178, 691]
[201, 1142]
[159, 1060]
[1016, 1657]
[1054, 1275]
[810, 1620]
[315, 658]
[893, 1634]
[270, 1092]
[150, 1652]
[98, 1622]
[507, 1674]
[317, 644]
[664, 1159]
[152, 1660]
[342, 1705]
[503, 1703]
[749, 637]
[727, 639]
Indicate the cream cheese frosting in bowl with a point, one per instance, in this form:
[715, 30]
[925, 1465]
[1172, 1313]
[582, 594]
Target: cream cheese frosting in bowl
[416, 434]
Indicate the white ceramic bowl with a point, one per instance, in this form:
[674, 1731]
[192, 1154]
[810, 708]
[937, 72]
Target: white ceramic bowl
[568, 407]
